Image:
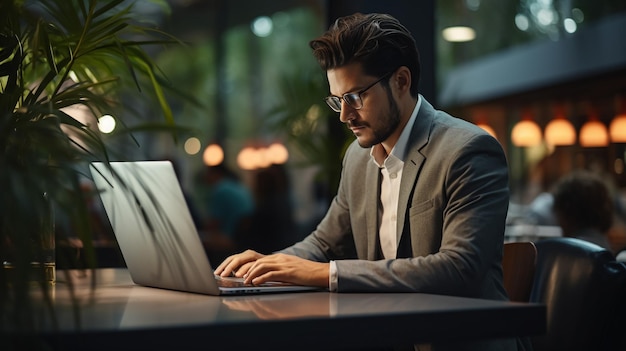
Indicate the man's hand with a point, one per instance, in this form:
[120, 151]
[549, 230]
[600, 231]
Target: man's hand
[288, 269]
[238, 264]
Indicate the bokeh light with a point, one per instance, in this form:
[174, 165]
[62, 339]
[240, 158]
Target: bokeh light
[213, 155]
[192, 146]
[106, 124]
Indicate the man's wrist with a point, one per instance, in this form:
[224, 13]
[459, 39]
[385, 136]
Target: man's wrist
[332, 277]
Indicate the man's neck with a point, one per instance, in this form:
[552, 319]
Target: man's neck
[406, 110]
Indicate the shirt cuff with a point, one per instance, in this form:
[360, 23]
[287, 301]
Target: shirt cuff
[332, 277]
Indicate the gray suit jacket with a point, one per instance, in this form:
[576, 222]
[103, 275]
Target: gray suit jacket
[452, 208]
[453, 202]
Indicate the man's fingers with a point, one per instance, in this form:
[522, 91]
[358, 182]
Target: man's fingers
[241, 271]
[265, 269]
[239, 263]
[222, 266]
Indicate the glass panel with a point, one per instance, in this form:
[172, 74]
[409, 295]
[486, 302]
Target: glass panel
[502, 25]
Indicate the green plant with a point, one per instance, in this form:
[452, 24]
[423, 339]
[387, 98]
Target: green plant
[311, 126]
[56, 55]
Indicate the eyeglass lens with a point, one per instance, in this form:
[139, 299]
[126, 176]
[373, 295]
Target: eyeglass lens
[352, 99]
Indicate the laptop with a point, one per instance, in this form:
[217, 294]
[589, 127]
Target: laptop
[156, 234]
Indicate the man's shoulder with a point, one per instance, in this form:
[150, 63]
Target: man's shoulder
[445, 120]
[450, 129]
[452, 136]
[438, 126]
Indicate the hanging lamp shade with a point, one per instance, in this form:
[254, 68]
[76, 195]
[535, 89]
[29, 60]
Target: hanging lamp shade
[560, 131]
[526, 133]
[594, 134]
[617, 129]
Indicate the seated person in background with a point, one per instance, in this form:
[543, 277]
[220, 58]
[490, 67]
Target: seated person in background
[540, 212]
[583, 207]
[230, 206]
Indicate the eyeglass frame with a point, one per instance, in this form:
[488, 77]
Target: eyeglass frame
[356, 96]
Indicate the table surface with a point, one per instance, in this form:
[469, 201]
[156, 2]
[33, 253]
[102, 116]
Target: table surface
[120, 315]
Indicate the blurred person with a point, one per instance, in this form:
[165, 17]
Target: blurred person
[539, 211]
[583, 207]
[273, 225]
[423, 196]
[543, 176]
[230, 206]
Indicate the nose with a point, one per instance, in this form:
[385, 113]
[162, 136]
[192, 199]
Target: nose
[347, 112]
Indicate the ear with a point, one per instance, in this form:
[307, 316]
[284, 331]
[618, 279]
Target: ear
[401, 81]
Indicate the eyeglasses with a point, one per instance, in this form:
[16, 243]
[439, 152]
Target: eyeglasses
[352, 99]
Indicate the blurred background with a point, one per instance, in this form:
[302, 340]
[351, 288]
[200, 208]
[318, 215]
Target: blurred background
[513, 67]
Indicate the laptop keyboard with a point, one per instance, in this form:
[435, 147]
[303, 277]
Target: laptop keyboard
[234, 282]
[230, 282]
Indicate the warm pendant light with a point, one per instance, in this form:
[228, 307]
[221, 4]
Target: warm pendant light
[526, 132]
[594, 134]
[617, 129]
[560, 131]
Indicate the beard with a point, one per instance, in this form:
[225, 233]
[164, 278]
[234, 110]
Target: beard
[385, 126]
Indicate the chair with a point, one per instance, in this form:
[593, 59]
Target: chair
[518, 266]
[583, 288]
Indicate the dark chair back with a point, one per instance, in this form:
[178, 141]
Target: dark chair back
[583, 288]
[518, 268]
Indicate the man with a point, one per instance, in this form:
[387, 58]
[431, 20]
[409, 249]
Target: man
[423, 197]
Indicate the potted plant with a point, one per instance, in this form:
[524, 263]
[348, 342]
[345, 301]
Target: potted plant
[55, 56]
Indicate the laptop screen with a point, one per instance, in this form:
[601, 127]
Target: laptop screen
[153, 226]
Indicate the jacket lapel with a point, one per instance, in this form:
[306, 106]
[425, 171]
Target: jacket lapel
[413, 162]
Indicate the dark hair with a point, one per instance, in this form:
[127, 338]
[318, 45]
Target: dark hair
[583, 199]
[378, 41]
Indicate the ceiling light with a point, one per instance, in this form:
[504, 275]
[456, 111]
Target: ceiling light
[459, 34]
[560, 131]
[594, 134]
[617, 129]
[526, 133]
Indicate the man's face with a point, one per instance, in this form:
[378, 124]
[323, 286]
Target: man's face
[379, 117]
